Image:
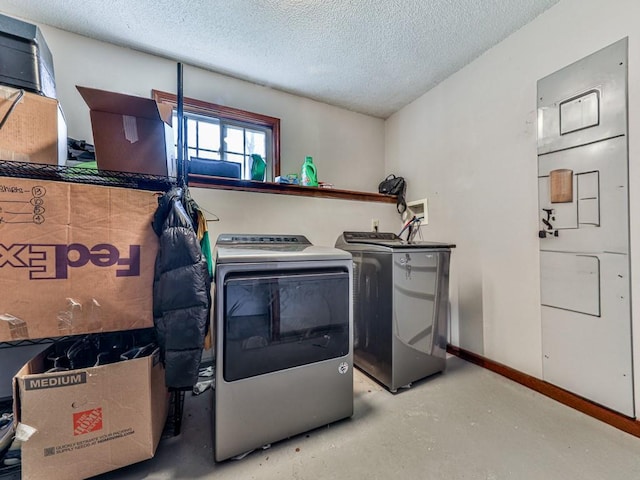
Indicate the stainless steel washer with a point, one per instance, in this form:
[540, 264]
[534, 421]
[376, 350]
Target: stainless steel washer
[401, 306]
[284, 339]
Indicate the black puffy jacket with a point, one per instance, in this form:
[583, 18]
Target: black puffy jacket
[181, 291]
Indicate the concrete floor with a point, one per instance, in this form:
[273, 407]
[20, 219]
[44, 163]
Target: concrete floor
[467, 423]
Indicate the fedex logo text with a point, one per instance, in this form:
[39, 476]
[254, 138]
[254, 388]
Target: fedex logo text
[52, 261]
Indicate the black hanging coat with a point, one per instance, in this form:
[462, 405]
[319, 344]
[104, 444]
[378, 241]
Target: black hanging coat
[181, 291]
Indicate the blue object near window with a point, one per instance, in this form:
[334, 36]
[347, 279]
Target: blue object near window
[216, 168]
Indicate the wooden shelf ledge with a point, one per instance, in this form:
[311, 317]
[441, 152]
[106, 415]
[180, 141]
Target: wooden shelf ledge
[223, 183]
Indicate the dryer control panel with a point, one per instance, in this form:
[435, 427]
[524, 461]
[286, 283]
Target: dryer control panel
[358, 237]
[252, 239]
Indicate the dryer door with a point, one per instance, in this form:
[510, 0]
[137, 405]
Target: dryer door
[279, 320]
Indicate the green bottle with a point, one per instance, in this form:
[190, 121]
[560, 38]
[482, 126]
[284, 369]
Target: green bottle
[258, 167]
[308, 173]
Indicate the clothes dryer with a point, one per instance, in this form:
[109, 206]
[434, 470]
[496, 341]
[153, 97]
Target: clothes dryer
[284, 339]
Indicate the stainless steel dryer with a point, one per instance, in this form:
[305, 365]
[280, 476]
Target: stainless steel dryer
[401, 306]
[284, 339]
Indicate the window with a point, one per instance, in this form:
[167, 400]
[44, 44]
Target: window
[227, 137]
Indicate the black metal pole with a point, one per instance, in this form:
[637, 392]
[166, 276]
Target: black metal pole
[181, 165]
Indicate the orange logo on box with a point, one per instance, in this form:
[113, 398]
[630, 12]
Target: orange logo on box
[87, 421]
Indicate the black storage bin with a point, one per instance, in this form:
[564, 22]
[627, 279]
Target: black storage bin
[25, 59]
[218, 168]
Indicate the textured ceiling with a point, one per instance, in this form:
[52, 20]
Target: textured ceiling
[370, 56]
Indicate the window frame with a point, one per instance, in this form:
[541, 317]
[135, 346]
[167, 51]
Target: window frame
[269, 187]
[231, 115]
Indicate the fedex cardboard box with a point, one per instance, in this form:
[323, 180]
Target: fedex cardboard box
[35, 130]
[84, 422]
[131, 134]
[74, 258]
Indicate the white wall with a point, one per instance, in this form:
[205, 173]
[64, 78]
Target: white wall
[321, 220]
[348, 148]
[469, 145]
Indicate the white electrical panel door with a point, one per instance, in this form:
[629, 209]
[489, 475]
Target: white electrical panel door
[597, 218]
[584, 102]
[584, 229]
[571, 282]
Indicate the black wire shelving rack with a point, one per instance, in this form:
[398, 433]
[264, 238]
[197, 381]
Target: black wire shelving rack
[108, 178]
[85, 175]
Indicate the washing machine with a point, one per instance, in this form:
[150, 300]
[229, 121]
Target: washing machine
[284, 339]
[401, 306]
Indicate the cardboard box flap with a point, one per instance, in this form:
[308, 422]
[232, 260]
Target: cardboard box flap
[9, 93]
[35, 365]
[121, 104]
[131, 134]
[166, 112]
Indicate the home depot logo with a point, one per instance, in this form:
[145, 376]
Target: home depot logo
[87, 421]
[52, 261]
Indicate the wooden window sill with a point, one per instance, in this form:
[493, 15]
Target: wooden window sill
[222, 183]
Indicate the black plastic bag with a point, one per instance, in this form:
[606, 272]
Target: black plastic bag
[393, 185]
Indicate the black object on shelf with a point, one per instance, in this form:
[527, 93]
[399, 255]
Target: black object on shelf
[26, 59]
[85, 175]
[216, 168]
